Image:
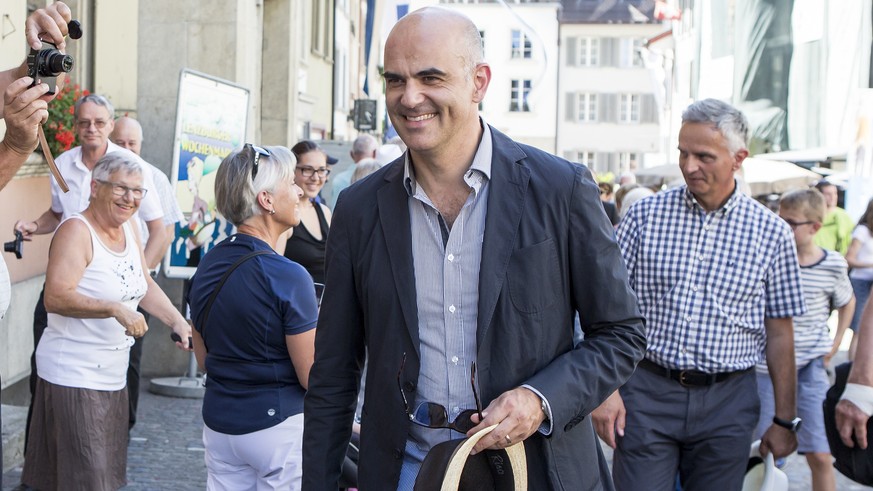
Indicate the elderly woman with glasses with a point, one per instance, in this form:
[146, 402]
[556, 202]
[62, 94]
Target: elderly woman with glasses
[95, 280]
[254, 314]
[308, 240]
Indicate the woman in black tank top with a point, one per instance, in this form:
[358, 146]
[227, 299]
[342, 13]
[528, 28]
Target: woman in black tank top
[307, 242]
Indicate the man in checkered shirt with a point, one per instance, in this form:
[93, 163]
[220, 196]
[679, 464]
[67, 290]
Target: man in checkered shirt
[718, 281]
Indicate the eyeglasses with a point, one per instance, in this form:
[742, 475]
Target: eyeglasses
[794, 225]
[257, 152]
[84, 124]
[433, 415]
[122, 190]
[310, 171]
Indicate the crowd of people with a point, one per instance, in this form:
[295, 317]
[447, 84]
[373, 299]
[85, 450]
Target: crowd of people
[454, 263]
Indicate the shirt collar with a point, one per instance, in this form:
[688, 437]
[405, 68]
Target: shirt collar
[479, 171]
[692, 203]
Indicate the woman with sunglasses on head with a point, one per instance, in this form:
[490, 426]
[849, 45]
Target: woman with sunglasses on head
[96, 278]
[254, 315]
[307, 242]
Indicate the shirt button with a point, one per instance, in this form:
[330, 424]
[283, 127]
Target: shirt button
[451, 257]
[684, 351]
[694, 288]
[271, 412]
[700, 257]
[688, 318]
[452, 309]
[455, 410]
[455, 360]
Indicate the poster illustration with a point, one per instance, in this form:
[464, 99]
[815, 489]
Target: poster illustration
[211, 119]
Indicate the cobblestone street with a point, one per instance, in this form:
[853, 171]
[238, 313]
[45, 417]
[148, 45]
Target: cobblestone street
[166, 451]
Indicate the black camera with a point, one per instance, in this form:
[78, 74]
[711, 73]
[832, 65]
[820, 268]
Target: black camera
[44, 65]
[14, 246]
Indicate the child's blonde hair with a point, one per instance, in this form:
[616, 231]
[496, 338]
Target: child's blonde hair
[810, 202]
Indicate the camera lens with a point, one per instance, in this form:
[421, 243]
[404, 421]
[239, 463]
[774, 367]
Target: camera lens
[57, 62]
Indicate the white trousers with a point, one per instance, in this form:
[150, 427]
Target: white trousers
[264, 460]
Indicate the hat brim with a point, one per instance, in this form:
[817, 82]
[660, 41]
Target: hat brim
[455, 468]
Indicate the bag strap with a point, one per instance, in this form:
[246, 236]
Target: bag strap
[223, 280]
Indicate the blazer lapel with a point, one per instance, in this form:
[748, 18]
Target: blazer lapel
[509, 181]
[394, 219]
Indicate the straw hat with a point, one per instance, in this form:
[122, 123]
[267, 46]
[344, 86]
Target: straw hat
[762, 473]
[450, 467]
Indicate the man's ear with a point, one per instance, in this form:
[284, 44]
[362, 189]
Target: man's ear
[816, 226]
[739, 157]
[481, 79]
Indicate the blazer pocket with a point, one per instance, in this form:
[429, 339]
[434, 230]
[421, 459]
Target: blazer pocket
[533, 277]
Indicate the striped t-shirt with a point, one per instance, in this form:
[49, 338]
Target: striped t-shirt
[825, 284]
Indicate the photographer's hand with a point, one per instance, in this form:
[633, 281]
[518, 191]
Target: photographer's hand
[25, 111]
[49, 23]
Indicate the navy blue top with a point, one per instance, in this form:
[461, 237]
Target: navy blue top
[251, 383]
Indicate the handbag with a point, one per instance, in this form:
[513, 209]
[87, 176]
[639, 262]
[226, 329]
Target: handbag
[449, 466]
[855, 463]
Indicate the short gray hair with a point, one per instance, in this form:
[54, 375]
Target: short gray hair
[113, 162]
[729, 121]
[95, 99]
[364, 168]
[365, 145]
[236, 194]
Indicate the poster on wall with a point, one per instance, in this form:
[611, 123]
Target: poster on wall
[211, 117]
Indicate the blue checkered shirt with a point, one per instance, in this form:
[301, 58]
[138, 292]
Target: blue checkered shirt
[707, 280]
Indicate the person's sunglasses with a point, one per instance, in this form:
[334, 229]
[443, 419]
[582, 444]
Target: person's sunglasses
[257, 152]
[433, 415]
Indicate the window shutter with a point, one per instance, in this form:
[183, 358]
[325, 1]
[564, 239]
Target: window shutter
[607, 107]
[570, 155]
[608, 51]
[648, 109]
[572, 106]
[572, 47]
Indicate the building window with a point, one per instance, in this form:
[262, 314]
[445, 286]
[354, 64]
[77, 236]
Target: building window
[589, 51]
[518, 96]
[521, 46]
[587, 107]
[629, 108]
[586, 159]
[482, 38]
[627, 161]
[630, 52]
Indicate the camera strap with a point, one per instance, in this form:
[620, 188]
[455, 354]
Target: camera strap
[46, 151]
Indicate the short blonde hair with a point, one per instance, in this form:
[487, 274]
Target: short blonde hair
[810, 202]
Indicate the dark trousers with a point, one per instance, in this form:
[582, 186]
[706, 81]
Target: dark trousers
[703, 433]
[40, 322]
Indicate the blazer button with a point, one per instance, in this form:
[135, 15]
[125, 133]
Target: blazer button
[410, 387]
[398, 454]
[569, 426]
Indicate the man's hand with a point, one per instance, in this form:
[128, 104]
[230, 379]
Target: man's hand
[778, 440]
[850, 420]
[50, 24]
[27, 229]
[517, 413]
[609, 419]
[24, 112]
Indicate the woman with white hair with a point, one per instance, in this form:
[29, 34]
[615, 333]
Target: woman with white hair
[96, 278]
[254, 314]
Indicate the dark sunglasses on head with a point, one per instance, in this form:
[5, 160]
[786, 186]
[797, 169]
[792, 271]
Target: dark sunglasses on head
[257, 152]
[433, 415]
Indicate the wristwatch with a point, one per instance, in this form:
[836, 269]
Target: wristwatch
[791, 425]
[544, 409]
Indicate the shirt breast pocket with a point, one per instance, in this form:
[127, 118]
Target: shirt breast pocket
[738, 284]
[533, 276]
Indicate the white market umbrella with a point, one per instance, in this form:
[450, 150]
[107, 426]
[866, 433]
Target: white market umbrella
[775, 176]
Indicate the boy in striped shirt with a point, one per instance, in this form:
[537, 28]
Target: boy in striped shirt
[825, 284]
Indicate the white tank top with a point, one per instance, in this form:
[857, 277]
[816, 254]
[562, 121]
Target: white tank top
[93, 353]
